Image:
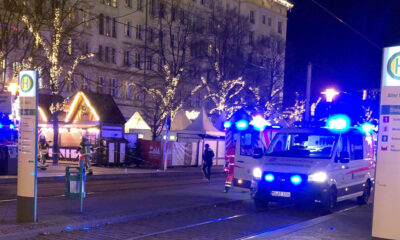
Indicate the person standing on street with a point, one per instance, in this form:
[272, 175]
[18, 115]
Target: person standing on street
[207, 161]
[85, 149]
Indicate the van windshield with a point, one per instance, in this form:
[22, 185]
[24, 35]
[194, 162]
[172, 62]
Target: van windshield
[302, 145]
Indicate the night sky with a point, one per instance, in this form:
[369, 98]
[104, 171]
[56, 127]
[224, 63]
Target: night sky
[340, 58]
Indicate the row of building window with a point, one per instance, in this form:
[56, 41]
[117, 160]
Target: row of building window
[264, 21]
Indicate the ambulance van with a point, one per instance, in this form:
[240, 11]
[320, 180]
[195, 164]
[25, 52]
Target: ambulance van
[315, 165]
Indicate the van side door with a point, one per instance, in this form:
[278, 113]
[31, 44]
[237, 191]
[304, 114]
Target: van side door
[359, 166]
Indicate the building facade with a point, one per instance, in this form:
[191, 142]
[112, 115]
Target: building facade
[121, 34]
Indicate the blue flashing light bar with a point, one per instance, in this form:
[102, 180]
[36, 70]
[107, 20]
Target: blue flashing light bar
[338, 123]
[269, 177]
[1, 125]
[242, 125]
[296, 179]
[11, 126]
[227, 124]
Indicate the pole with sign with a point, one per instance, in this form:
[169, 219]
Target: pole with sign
[386, 212]
[27, 147]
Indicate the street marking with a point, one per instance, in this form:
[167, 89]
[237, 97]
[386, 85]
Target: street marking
[279, 231]
[188, 226]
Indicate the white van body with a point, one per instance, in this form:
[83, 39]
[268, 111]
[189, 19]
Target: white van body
[315, 165]
[246, 143]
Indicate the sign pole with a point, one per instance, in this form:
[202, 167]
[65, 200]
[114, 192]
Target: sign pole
[27, 147]
[386, 224]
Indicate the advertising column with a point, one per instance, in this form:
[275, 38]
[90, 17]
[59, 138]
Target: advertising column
[27, 148]
[386, 212]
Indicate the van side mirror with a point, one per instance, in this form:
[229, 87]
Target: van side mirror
[344, 157]
[257, 153]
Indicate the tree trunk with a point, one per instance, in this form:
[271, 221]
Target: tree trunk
[55, 138]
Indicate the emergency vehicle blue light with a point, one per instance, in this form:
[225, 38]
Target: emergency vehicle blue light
[227, 124]
[367, 127]
[338, 123]
[242, 125]
[296, 179]
[269, 177]
[1, 125]
[12, 126]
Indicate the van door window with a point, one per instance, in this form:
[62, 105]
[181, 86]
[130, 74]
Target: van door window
[245, 145]
[356, 147]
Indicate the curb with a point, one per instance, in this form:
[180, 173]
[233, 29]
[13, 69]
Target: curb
[284, 230]
[96, 223]
[160, 174]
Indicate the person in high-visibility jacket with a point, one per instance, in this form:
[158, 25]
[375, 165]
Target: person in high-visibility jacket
[43, 152]
[85, 149]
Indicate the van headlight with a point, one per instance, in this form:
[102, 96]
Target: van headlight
[317, 177]
[257, 173]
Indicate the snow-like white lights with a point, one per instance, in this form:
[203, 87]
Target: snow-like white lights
[257, 173]
[317, 177]
[259, 123]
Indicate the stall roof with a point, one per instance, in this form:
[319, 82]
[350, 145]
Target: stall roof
[180, 121]
[202, 125]
[136, 122]
[102, 106]
[106, 108]
[45, 101]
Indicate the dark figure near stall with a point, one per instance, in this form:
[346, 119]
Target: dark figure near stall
[207, 161]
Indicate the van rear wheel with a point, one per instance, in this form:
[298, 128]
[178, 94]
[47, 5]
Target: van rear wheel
[362, 200]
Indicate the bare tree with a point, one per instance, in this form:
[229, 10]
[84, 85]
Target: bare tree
[267, 72]
[54, 24]
[13, 36]
[172, 50]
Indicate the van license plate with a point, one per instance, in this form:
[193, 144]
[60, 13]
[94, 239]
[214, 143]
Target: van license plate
[280, 194]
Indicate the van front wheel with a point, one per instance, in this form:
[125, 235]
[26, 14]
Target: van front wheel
[330, 203]
[363, 199]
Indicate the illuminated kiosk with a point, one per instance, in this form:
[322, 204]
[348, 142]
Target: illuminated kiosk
[198, 133]
[98, 117]
[138, 126]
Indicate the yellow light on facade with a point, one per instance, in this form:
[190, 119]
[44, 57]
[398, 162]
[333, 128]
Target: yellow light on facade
[13, 88]
[285, 3]
[42, 114]
[240, 181]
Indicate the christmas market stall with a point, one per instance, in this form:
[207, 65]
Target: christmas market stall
[138, 126]
[98, 117]
[192, 139]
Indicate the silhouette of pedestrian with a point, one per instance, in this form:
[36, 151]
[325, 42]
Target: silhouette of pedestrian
[207, 161]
